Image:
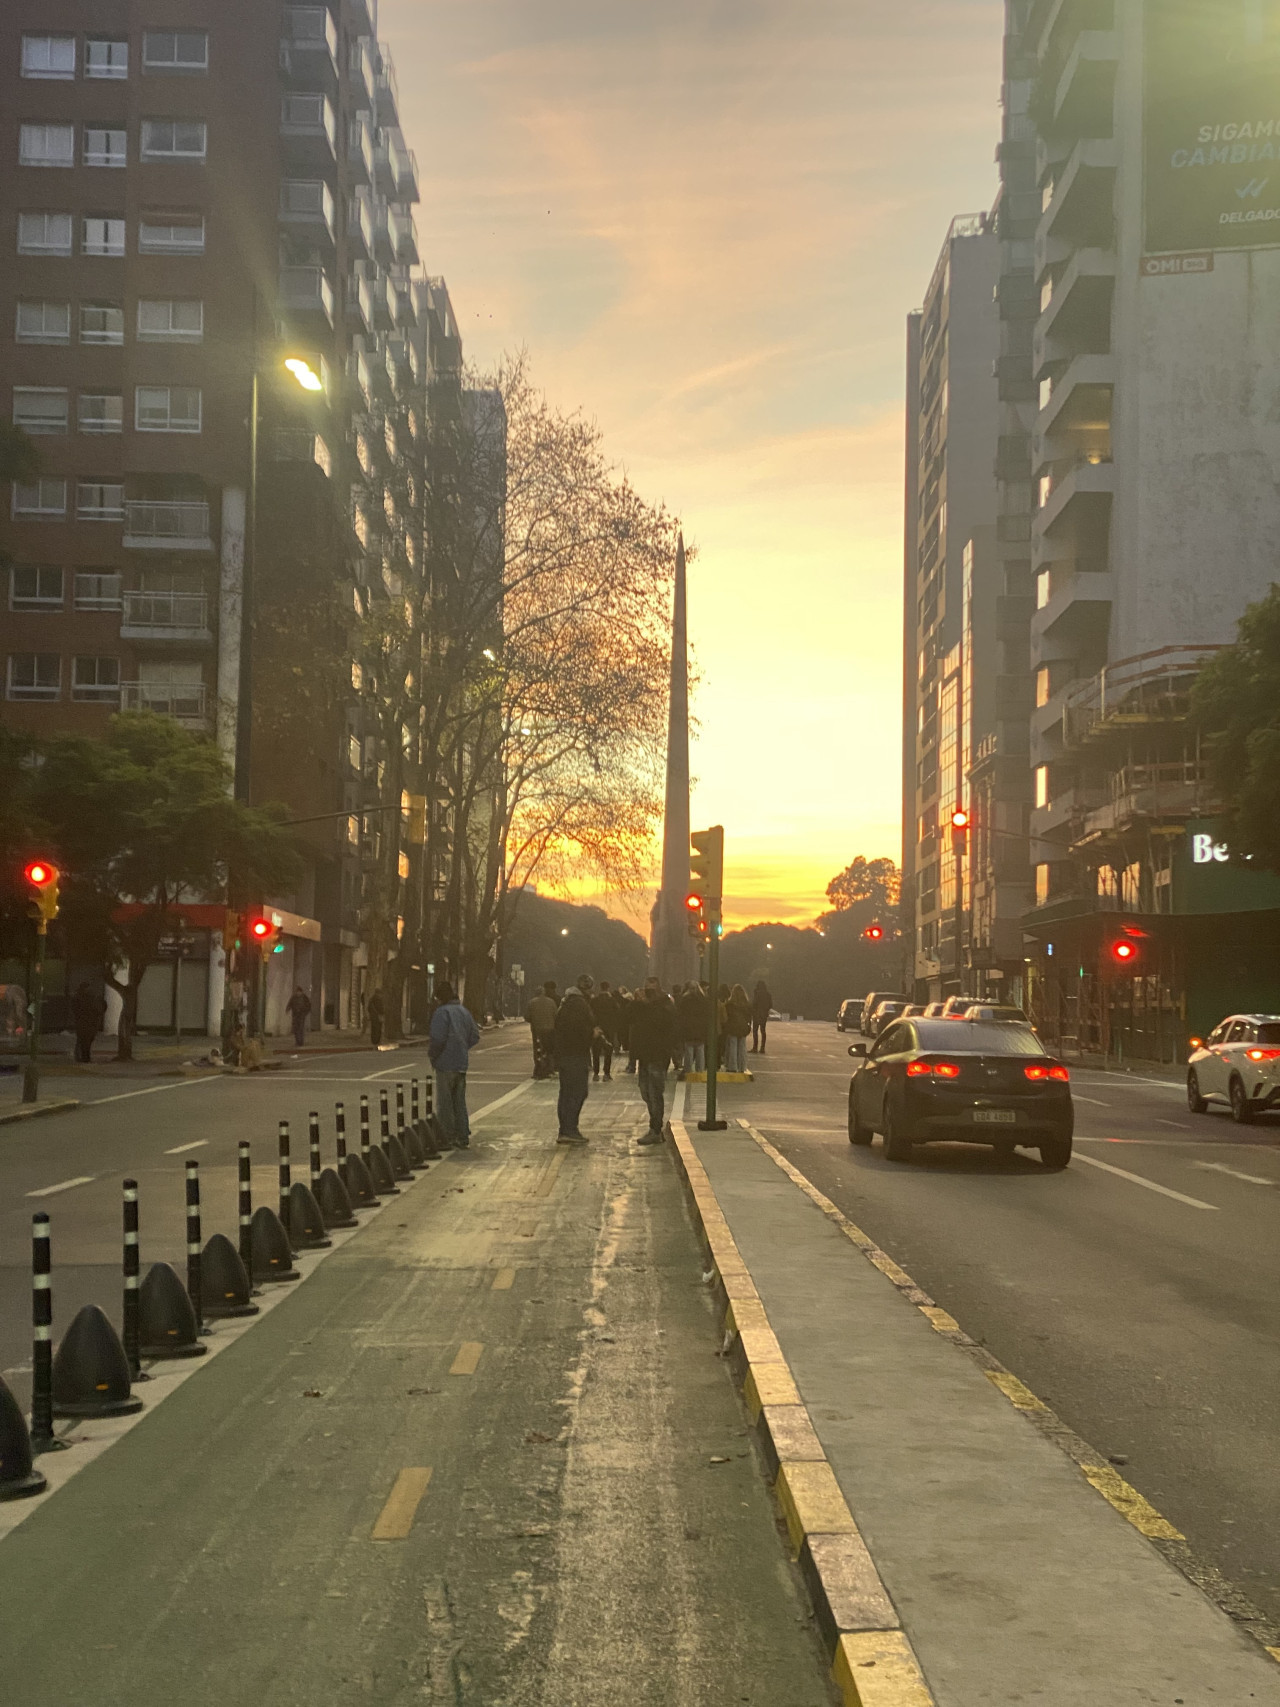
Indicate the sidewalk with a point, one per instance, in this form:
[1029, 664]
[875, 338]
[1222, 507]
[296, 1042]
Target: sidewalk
[484, 1456]
[1012, 1579]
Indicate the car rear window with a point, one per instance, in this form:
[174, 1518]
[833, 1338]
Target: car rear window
[1269, 1033]
[970, 1037]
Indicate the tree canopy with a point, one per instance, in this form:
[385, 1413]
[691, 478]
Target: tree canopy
[876, 880]
[1236, 703]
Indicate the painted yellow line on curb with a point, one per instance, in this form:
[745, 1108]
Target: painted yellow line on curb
[941, 1319]
[468, 1358]
[504, 1280]
[395, 1520]
[770, 1384]
[812, 1502]
[878, 1669]
[1018, 1395]
[1130, 1503]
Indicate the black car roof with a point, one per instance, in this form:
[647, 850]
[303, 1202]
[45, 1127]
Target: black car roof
[973, 1037]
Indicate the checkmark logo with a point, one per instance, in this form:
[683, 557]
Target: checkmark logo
[1253, 188]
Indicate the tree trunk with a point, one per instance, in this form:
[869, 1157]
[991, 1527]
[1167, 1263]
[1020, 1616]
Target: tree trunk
[128, 1024]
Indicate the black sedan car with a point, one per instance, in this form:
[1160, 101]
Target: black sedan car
[934, 1080]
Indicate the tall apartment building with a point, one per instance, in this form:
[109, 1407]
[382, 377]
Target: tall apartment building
[211, 295]
[1156, 461]
[950, 667]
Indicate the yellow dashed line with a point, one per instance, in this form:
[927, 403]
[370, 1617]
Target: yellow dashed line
[941, 1319]
[467, 1359]
[395, 1520]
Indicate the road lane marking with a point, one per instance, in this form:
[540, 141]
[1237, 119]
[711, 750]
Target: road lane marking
[1137, 1179]
[544, 1182]
[502, 1101]
[1222, 1168]
[468, 1358]
[1181, 1125]
[195, 1144]
[151, 1090]
[1096, 1101]
[63, 1185]
[395, 1520]
[504, 1280]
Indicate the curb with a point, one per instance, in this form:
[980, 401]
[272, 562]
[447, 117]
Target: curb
[33, 1110]
[872, 1660]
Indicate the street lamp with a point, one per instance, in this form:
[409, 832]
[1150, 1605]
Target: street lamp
[565, 931]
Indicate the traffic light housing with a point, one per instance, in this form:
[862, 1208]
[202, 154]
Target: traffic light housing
[873, 933]
[961, 821]
[696, 914]
[262, 931]
[706, 865]
[43, 877]
[1126, 952]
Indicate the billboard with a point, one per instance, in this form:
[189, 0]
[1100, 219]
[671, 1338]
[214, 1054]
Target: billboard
[1212, 125]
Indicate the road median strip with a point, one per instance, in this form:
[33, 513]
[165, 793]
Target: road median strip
[872, 1660]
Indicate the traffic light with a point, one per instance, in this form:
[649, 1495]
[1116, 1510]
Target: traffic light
[230, 931]
[1125, 953]
[43, 876]
[873, 933]
[706, 865]
[262, 931]
[960, 822]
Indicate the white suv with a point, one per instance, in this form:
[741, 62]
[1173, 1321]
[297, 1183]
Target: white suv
[1239, 1064]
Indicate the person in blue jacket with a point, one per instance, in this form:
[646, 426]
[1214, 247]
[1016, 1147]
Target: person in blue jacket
[454, 1034]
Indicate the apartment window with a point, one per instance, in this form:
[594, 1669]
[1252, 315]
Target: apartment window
[35, 675]
[100, 412]
[43, 323]
[99, 236]
[96, 679]
[35, 586]
[47, 145]
[353, 830]
[99, 501]
[1042, 785]
[98, 589]
[44, 233]
[355, 755]
[174, 139]
[105, 147]
[47, 497]
[167, 409]
[161, 233]
[40, 408]
[101, 323]
[175, 50]
[106, 58]
[170, 320]
[1042, 885]
[49, 56]
[1043, 691]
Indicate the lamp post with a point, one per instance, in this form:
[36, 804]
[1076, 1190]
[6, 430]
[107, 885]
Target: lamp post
[43, 878]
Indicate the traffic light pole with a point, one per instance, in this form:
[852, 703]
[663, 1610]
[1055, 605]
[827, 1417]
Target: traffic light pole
[31, 1070]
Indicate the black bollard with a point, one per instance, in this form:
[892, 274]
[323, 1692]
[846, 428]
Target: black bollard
[19, 1478]
[384, 1179]
[271, 1254]
[283, 1211]
[168, 1323]
[392, 1148]
[353, 1170]
[90, 1369]
[42, 1435]
[194, 1243]
[246, 1205]
[335, 1204]
[406, 1138]
[399, 1108]
[422, 1127]
[224, 1280]
[364, 1130]
[131, 1256]
[438, 1136]
[314, 1139]
[384, 1118]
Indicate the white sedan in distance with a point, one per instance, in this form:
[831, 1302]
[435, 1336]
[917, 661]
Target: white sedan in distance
[1237, 1064]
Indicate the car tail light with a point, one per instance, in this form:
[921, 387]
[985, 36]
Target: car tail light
[1263, 1054]
[1036, 1072]
[1060, 1073]
[946, 1070]
[918, 1069]
[1046, 1072]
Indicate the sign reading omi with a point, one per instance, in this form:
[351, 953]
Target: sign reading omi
[1212, 125]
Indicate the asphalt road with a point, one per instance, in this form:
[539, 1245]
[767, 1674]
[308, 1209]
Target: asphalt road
[485, 1455]
[1135, 1292]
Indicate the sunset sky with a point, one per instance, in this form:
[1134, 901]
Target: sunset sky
[706, 220]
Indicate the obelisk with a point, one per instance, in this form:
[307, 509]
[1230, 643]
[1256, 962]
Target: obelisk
[673, 954]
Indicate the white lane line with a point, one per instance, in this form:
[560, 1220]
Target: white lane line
[1137, 1179]
[63, 1185]
[500, 1102]
[1182, 1125]
[151, 1090]
[1096, 1101]
[195, 1144]
[1222, 1168]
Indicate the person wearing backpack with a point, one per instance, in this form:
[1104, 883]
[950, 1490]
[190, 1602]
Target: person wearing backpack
[454, 1034]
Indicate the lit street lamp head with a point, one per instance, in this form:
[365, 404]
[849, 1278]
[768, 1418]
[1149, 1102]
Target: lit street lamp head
[304, 373]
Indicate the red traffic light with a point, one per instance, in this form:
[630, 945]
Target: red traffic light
[41, 873]
[873, 933]
[1124, 952]
[960, 819]
[261, 929]
[693, 903]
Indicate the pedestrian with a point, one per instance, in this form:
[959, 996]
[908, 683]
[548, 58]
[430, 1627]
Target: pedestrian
[694, 1010]
[604, 1010]
[737, 1024]
[376, 1011]
[655, 1037]
[625, 1001]
[575, 1030]
[761, 1006]
[454, 1034]
[722, 1026]
[88, 1006]
[298, 1007]
[542, 1026]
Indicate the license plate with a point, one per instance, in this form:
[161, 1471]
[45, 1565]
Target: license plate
[995, 1116]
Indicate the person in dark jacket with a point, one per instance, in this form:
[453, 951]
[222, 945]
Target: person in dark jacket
[694, 1011]
[298, 1008]
[625, 1000]
[376, 1010]
[88, 1007]
[761, 1003]
[542, 1026]
[604, 1008]
[736, 1026]
[575, 1031]
[655, 1038]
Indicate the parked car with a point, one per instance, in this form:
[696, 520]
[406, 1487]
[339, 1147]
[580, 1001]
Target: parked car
[871, 1002]
[934, 1010]
[927, 1081]
[913, 1010]
[884, 1013]
[850, 1016]
[990, 1013]
[955, 1007]
[1237, 1064]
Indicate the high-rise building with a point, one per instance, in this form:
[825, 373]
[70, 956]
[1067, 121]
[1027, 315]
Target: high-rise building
[215, 327]
[950, 668]
[1156, 462]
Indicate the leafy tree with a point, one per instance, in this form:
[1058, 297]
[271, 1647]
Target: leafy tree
[1236, 703]
[19, 458]
[139, 821]
[876, 880]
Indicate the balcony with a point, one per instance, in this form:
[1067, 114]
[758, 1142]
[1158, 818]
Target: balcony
[395, 168]
[306, 291]
[386, 88]
[363, 73]
[360, 150]
[1081, 209]
[1078, 610]
[1084, 100]
[166, 616]
[300, 445]
[1078, 410]
[185, 702]
[309, 49]
[361, 380]
[360, 229]
[309, 132]
[384, 303]
[1077, 318]
[406, 308]
[306, 205]
[1085, 491]
[384, 248]
[359, 303]
[167, 525]
[404, 236]
[1142, 795]
[1144, 691]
